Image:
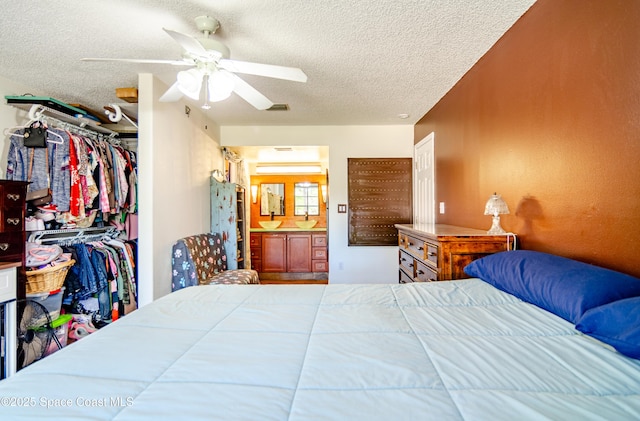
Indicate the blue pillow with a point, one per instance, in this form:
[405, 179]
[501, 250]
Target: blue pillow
[560, 285]
[616, 324]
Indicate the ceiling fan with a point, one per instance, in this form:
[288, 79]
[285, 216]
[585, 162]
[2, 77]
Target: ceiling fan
[212, 68]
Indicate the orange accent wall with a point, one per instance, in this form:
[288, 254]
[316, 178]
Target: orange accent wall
[550, 119]
[288, 220]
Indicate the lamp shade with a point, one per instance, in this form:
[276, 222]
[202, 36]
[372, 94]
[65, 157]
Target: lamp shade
[190, 82]
[496, 206]
[221, 85]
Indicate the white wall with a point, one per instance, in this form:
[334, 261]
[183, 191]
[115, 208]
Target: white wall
[176, 154]
[346, 264]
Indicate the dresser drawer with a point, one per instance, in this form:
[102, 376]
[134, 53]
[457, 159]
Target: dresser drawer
[319, 253]
[12, 220]
[404, 278]
[421, 249]
[12, 196]
[425, 273]
[255, 240]
[319, 266]
[406, 262]
[319, 240]
[11, 246]
[256, 253]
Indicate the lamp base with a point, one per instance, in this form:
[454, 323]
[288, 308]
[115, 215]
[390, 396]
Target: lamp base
[496, 229]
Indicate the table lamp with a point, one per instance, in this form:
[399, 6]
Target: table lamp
[496, 206]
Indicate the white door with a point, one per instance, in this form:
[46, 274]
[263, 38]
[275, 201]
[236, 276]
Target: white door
[424, 205]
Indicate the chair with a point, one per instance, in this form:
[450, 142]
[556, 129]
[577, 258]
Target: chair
[202, 260]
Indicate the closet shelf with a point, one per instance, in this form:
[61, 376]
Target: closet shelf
[37, 111]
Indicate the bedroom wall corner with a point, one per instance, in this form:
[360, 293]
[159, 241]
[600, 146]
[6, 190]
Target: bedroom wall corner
[177, 153]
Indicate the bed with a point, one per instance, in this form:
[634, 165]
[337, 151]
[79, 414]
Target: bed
[458, 350]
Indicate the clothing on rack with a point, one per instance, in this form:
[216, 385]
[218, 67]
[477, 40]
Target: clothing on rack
[86, 174]
[47, 167]
[92, 181]
[106, 270]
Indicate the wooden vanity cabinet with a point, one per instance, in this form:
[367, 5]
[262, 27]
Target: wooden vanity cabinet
[302, 253]
[290, 252]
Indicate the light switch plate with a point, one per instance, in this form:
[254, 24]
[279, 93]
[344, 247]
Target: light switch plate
[342, 208]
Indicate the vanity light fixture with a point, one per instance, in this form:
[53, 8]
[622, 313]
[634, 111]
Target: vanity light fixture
[323, 189]
[289, 169]
[254, 193]
[496, 206]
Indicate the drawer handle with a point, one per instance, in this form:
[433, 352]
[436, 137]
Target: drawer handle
[431, 253]
[410, 265]
[420, 248]
[420, 272]
[433, 280]
[13, 221]
[14, 197]
[4, 246]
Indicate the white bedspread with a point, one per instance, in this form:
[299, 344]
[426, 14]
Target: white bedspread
[440, 351]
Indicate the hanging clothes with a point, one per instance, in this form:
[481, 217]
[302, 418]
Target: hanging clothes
[104, 270]
[43, 167]
[91, 180]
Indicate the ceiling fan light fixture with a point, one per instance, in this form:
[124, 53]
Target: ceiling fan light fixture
[190, 83]
[221, 85]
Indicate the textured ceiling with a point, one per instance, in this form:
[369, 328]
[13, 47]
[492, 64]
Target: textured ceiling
[367, 61]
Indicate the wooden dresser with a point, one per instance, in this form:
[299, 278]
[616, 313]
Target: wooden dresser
[440, 252]
[12, 233]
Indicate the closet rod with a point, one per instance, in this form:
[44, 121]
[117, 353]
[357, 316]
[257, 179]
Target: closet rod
[77, 125]
[73, 236]
[37, 111]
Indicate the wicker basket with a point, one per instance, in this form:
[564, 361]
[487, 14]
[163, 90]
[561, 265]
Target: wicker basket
[47, 279]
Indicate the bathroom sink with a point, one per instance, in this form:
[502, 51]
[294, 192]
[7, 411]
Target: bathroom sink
[306, 224]
[269, 225]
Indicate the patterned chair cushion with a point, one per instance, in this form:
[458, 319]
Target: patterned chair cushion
[201, 260]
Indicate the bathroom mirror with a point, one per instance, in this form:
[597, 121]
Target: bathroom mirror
[272, 199]
[306, 199]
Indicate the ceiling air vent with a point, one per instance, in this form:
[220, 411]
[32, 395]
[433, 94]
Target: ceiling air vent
[279, 107]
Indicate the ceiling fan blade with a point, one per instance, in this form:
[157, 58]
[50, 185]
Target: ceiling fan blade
[134, 60]
[189, 43]
[268, 70]
[172, 94]
[250, 94]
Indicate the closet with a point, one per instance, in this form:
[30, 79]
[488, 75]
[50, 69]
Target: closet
[82, 198]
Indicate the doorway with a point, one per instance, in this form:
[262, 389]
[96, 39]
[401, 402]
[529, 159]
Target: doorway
[424, 204]
[301, 174]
